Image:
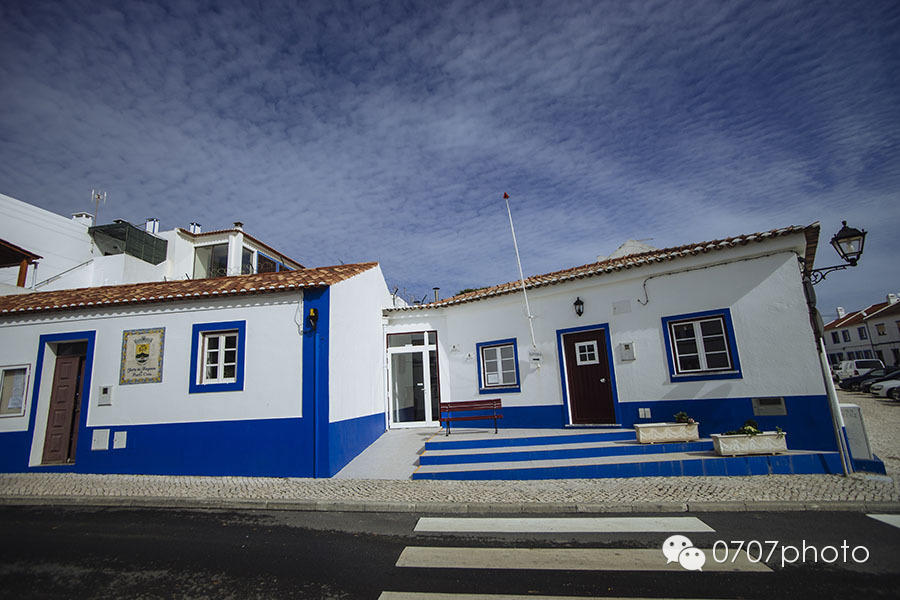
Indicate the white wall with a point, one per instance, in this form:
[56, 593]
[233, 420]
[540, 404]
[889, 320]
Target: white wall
[772, 331]
[61, 242]
[272, 375]
[356, 346]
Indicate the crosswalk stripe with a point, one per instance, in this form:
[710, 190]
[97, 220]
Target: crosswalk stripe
[559, 559]
[439, 596]
[889, 519]
[562, 525]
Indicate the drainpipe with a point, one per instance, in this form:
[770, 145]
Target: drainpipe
[837, 420]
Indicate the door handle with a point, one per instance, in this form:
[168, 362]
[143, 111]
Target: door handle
[420, 384]
[602, 380]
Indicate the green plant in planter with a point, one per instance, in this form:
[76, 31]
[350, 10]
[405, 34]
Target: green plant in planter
[750, 427]
[683, 417]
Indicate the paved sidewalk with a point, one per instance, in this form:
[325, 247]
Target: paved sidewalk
[396, 492]
[770, 492]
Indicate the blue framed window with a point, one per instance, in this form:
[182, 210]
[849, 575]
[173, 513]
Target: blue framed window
[701, 346]
[498, 367]
[267, 264]
[217, 356]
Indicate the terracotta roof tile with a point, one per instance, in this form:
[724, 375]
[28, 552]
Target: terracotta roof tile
[855, 318]
[163, 291]
[626, 262]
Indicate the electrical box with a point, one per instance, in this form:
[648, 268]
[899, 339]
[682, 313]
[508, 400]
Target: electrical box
[535, 356]
[100, 439]
[643, 413]
[104, 398]
[857, 437]
[119, 439]
[626, 351]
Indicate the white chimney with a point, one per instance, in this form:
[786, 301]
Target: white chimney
[194, 228]
[437, 294]
[86, 219]
[238, 225]
[841, 312]
[152, 225]
[892, 298]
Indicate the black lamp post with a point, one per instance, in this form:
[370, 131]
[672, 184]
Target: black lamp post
[848, 243]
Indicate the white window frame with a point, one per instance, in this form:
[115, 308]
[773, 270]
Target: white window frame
[702, 352]
[587, 353]
[501, 382]
[21, 411]
[221, 363]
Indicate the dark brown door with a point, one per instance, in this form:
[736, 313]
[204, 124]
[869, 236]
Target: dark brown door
[62, 420]
[587, 373]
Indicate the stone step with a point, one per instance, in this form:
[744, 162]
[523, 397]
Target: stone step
[639, 465]
[465, 438]
[556, 451]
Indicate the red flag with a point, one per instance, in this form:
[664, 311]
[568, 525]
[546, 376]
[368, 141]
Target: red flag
[505, 196]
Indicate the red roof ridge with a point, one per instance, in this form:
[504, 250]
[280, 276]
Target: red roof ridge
[181, 289]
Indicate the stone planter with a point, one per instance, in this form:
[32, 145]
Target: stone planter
[657, 433]
[767, 442]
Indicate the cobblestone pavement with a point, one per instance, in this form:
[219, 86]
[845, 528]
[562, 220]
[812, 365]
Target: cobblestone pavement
[882, 420]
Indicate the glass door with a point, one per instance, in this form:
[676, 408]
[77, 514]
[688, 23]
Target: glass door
[414, 383]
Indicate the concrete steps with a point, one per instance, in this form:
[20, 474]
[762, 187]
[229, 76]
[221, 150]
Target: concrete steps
[597, 453]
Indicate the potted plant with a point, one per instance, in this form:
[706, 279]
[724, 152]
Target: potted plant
[684, 429]
[748, 439]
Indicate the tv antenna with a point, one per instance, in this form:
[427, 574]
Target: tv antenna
[97, 196]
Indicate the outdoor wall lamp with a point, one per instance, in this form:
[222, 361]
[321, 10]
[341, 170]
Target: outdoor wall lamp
[313, 318]
[848, 243]
[579, 306]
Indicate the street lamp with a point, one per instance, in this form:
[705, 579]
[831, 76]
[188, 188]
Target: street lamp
[848, 243]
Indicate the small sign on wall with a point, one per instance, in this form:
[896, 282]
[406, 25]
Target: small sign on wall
[142, 356]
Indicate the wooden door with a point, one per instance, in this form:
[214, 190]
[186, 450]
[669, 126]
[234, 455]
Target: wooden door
[63, 417]
[587, 375]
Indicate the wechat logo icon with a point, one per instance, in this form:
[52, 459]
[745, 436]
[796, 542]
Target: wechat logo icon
[678, 548]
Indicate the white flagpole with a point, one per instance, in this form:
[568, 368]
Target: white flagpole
[521, 274]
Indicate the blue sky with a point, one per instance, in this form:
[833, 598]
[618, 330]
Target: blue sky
[389, 131]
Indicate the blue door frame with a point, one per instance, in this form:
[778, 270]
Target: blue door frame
[562, 368]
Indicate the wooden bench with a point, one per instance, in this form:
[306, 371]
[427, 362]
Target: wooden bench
[449, 408]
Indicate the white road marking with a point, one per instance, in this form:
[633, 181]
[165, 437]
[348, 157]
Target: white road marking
[559, 559]
[889, 519]
[437, 596]
[562, 525]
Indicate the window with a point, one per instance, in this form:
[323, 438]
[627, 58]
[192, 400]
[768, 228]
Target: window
[863, 334]
[266, 264]
[846, 335]
[498, 367]
[586, 353]
[868, 354]
[13, 385]
[880, 329]
[701, 346]
[835, 338]
[211, 261]
[246, 261]
[217, 357]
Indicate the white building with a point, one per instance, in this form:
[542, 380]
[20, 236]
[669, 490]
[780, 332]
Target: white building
[273, 374]
[873, 332]
[719, 330]
[74, 253]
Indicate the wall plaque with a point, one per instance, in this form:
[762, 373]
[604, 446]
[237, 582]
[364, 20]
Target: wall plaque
[142, 356]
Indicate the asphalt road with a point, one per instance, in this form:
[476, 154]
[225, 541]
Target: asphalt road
[146, 553]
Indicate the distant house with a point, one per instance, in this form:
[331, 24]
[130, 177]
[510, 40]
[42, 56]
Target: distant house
[74, 253]
[717, 329]
[873, 332]
[273, 374]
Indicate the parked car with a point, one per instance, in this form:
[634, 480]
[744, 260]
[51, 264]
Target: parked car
[889, 388]
[866, 384]
[853, 383]
[860, 366]
[860, 382]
